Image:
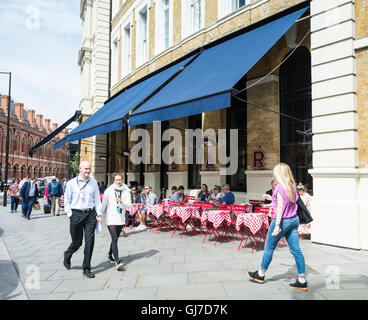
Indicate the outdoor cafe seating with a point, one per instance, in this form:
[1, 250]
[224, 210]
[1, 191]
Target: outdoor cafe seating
[246, 223]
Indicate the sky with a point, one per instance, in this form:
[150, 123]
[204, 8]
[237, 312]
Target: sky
[39, 43]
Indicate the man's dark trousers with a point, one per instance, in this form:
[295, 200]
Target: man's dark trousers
[79, 222]
[27, 206]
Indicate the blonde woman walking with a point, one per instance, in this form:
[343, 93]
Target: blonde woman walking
[115, 202]
[285, 223]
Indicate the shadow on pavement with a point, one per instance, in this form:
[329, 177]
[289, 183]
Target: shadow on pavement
[1, 231]
[9, 280]
[136, 256]
[106, 265]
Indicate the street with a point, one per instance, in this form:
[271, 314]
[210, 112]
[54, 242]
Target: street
[161, 267]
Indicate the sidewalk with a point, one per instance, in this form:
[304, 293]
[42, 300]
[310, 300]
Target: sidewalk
[161, 267]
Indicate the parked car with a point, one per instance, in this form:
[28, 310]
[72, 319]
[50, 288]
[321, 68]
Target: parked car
[42, 182]
[3, 184]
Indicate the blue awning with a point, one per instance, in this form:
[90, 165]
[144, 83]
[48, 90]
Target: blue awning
[109, 117]
[207, 82]
[60, 143]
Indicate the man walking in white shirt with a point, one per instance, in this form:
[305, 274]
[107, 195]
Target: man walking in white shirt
[82, 204]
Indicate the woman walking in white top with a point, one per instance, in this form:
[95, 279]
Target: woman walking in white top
[115, 202]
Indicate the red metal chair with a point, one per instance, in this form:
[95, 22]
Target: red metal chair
[190, 198]
[269, 212]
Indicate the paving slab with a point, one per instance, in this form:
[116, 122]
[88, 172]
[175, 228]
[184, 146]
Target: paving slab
[85, 284]
[216, 276]
[153, 280]
[95, 295]
[199, 291]
[138, 294]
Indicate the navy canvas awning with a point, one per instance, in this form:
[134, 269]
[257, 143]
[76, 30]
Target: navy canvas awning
[207, 83]
[110, 117]
[60, 143]
[54, 133]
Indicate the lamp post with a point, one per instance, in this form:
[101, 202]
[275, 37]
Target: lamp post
[7, 142]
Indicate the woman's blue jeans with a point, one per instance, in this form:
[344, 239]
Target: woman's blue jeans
[289, 230]
[14, 203]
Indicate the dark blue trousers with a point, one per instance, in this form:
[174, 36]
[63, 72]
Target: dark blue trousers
[27, 206]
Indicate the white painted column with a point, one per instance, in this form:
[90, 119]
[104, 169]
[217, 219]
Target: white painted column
[336, 178]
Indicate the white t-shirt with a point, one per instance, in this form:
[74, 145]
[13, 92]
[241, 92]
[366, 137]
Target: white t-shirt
[215, 198]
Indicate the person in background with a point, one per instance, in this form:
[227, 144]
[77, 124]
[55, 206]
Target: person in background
[55, 191]
[229, 197]
[13, 192]
[29, 194]
[25, 179]
[203, 195]
[307, 199]
[116, 201]
[215, 196]
[285, 223]
[179, 195]
[268, 195]
[102, 188]
[135, 198]
[148, 199]
[173, 189]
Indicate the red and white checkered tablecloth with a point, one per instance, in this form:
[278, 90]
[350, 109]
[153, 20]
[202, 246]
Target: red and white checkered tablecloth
[253, 221]
[184, 212]
[157, 210]
[216, 217]
[135, 207]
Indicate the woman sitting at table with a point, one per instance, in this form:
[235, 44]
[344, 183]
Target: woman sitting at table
[135, 197]
[307, 199]
[215, 196]
[203, 195]
[148, 199]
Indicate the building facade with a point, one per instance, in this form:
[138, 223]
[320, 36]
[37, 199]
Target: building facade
[304, 102]
[93, 60]
[26, 130]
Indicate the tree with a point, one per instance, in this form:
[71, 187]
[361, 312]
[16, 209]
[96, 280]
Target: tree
[73, 165]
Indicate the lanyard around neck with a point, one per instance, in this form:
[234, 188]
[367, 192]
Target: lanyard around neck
[80, 189]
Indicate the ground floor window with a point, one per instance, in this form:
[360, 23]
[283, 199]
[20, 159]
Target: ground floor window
[236, 118]
[194, 170]
[296, 102]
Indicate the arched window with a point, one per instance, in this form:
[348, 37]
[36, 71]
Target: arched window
[295, 101]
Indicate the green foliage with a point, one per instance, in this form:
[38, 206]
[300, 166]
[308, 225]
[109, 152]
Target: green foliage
[73, 165]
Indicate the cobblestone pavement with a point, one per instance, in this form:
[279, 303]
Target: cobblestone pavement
[161, 267]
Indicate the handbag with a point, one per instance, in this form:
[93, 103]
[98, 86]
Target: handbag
[36, 206]
[303, 213]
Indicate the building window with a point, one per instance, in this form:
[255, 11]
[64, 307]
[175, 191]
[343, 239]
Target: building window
[114, 60]
[166, 11]
[236, 118]
[296, 101]
[237, 4]
[164, 27]
[192, 16]
[142, 42]
[194, 170]
[126, 51]
[226, 7]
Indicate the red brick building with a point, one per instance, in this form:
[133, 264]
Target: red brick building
[27, 129]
